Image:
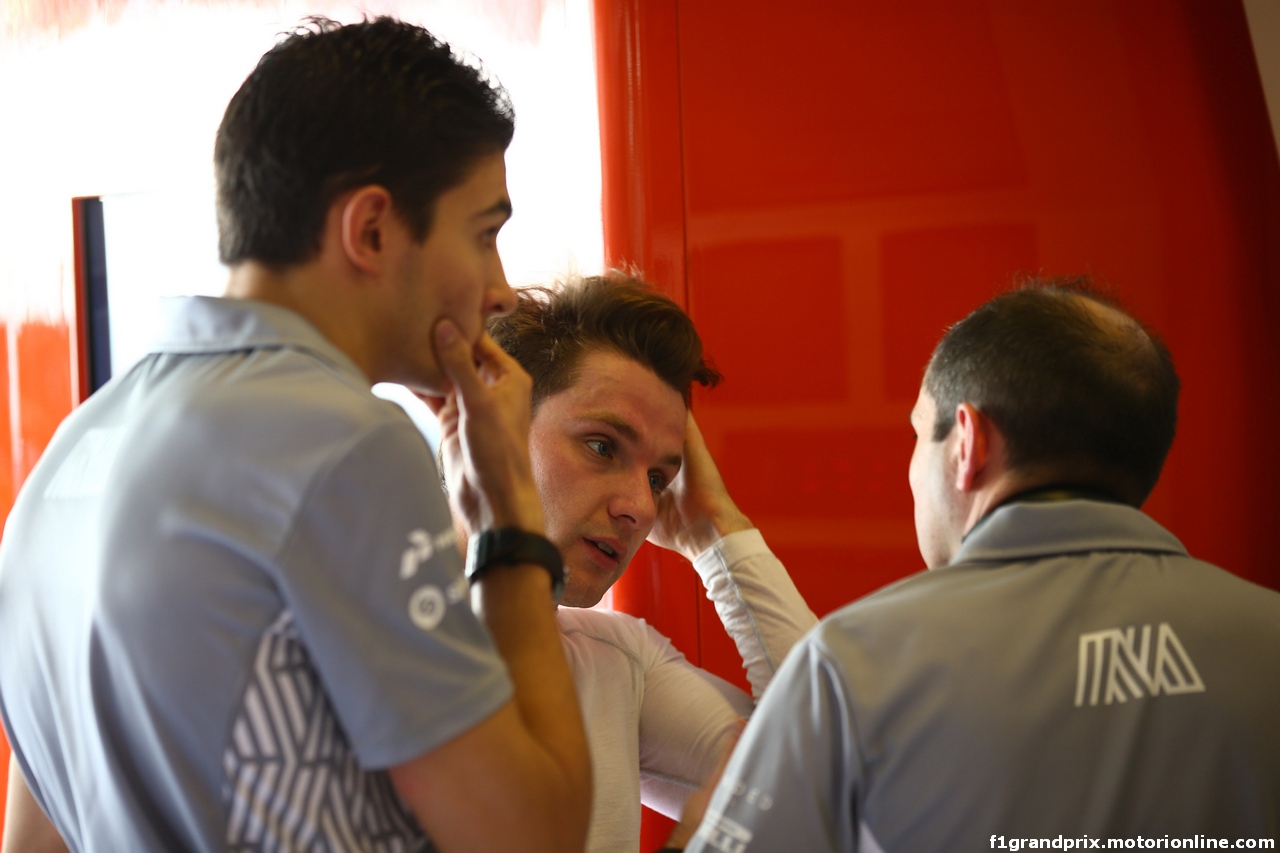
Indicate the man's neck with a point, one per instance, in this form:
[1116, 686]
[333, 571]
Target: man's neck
[1042, 493]
[318, 298]
[1058, 492]
[992, 494]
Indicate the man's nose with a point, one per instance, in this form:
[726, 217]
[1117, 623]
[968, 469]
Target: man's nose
[633, 501]
[500, 298]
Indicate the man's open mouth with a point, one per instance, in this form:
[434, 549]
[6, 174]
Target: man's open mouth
[605, 547]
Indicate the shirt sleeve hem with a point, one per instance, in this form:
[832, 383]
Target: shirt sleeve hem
[431, 734]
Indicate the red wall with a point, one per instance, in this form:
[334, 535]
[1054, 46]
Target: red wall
[36, 393]
[828, 187]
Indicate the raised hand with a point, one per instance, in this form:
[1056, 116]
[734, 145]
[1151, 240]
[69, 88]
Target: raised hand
[484, 427]
[696, 511]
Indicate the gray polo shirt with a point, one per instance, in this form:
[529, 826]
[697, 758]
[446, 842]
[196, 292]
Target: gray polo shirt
[230, 596]
[1072, 673]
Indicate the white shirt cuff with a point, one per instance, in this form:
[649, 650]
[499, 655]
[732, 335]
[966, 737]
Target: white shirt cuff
[729, 550]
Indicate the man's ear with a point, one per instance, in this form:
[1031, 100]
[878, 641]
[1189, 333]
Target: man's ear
[973, 449]
[367, 218]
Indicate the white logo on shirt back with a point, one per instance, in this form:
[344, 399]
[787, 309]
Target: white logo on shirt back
[1116, 665]
[724, 834]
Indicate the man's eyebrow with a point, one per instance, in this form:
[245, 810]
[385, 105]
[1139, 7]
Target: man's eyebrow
[628, 432]
[620, 426]
[502, 206]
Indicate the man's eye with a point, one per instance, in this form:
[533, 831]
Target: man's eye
[599, 446]
[657, 482]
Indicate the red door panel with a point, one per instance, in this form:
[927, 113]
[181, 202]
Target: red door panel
[853, 177]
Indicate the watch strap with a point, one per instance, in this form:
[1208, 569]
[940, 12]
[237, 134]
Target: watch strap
[510, 546]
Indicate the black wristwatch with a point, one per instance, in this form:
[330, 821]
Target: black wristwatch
[511, 546]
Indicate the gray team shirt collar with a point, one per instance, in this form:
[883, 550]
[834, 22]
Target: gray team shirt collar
[210, 324]
[1024, 531]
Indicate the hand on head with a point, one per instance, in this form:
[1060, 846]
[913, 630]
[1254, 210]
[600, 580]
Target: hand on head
[696, 510]
[484, 433]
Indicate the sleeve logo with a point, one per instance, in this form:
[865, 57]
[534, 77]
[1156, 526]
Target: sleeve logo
[428, 603]
[426, 607]
[1117, 665]
[422, 547]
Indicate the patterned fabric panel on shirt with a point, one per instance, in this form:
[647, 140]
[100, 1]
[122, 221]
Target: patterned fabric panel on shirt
[293, 782]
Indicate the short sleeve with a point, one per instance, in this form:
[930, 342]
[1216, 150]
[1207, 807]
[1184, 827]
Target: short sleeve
[792, 781]
[373, 576]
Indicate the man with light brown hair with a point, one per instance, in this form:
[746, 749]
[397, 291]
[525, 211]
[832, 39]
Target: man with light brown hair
[618, 458]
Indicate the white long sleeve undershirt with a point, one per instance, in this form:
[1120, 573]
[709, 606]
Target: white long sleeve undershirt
[656, 723]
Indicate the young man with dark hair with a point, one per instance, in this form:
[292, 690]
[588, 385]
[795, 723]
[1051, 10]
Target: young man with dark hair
[1066, 672]
[618, 458]
[232, 612]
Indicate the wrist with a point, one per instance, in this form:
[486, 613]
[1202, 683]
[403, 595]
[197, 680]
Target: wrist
[526, 516]
[732, 521]
[702, 536]
[516, 506]
[512, 546]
